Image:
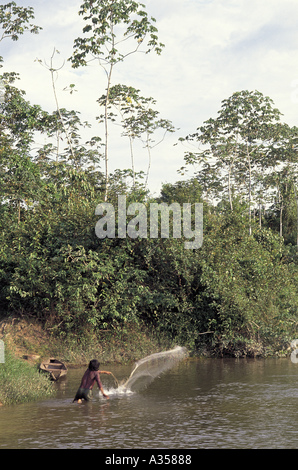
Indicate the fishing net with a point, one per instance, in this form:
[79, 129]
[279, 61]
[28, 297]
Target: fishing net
[294, 354]
[150, 367]
[294, 357]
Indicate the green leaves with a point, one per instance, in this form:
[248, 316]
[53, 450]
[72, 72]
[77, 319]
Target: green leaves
[248, 287]
[139, 119]
[112, 24]
[238, 147]
[15, 21]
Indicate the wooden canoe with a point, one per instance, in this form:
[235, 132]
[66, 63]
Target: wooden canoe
[55, 368]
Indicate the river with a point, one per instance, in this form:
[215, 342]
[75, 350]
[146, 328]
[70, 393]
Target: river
[199, 404]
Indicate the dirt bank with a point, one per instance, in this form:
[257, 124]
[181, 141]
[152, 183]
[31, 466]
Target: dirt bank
[27, 337]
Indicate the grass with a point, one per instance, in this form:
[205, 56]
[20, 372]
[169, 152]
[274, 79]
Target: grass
[21, 382]
[122, 346]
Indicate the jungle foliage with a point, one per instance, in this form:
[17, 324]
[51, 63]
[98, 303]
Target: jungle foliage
[236, 295]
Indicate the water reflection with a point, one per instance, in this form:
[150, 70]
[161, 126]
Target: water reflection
[205, 403]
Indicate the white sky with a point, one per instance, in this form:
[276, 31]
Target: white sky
[213, 49]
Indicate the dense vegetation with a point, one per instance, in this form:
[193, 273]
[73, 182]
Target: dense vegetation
[237, 294]
[20, 382]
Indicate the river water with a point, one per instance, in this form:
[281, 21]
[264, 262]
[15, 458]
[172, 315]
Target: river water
[199, 404]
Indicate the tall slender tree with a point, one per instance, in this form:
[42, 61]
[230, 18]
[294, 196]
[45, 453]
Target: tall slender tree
[139, 120]
[114, 30]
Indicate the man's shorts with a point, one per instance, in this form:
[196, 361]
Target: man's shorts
[83, 393]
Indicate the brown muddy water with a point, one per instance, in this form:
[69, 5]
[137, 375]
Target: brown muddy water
[200, 404]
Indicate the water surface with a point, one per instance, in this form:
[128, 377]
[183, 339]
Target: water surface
[200, 404]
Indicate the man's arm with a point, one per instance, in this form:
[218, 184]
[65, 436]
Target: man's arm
[100, 386]
[103, 393]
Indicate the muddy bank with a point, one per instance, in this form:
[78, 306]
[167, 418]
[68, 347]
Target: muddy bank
[28, 339]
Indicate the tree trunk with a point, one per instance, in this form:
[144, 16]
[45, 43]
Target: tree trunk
[296, 197]
[19, 211]
[249, 188]
[107, 135]
[280, 220]
[229, 188]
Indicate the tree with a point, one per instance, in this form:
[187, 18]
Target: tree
[138, 119]
[182, 192]
[285, 181]
[242, 139]
[15, 20]
[117, 29]
[250, 290]
[20, 177]
[53, 71]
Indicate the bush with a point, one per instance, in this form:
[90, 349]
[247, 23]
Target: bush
[21, 382]
[250, 287]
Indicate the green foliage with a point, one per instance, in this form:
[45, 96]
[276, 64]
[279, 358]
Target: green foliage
[21, 382]
[139, 119]
[103, 18]
[182, 192]
[249, 287]
[236, 295]
[14, 21]
[240, 149]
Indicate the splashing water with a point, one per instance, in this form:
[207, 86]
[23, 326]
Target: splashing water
[149, 368]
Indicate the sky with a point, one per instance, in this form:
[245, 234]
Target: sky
[213, 48]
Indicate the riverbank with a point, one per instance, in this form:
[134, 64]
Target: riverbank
[27, 337]
[127, 344]
[27, 343]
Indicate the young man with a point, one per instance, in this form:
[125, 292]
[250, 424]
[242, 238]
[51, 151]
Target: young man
[89, 378]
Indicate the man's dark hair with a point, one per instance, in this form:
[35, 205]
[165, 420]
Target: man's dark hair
[93, 365]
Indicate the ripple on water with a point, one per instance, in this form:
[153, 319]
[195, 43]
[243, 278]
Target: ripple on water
[200, 404]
